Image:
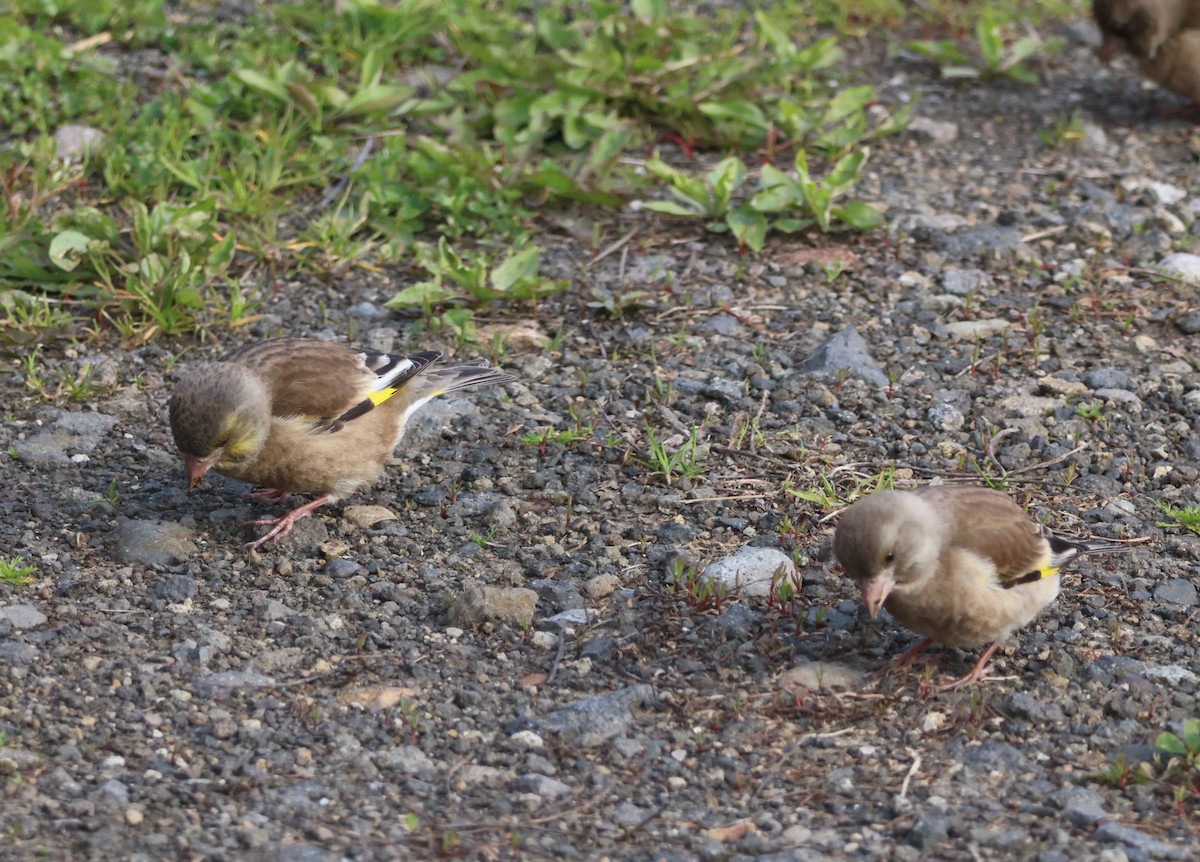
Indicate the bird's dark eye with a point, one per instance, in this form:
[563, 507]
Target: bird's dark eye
[890, 558]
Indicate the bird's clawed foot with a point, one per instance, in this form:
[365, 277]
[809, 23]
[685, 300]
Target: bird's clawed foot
[974, 674]
[282, 525]
[902, 661]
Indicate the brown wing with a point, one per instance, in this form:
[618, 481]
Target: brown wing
[307, 377]
[990, 524]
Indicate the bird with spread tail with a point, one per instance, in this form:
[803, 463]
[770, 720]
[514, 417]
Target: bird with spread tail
[1162, 36]
[961, 566]
[302, 416]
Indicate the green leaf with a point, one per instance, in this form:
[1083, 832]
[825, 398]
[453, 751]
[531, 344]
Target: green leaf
[674, 209]
[657, 167]
[1191, 735]
[221, 254]
[189, 297]
[773, 35]
[777, 191]
[423, 294]
[741, 110]
[846, 172]
[263, 84]
[460, 322]
[68, 248]
[858, 215]
[748, 226]
[1170, 743]
[818, 200]
[848, 101]
[369, 100]
[724, 178]
[819, 55]
[987, 33]
[791, 225]
[649, 10]
[1022, 50]
[372, 69]
[941, 51]
[302, 95]
[516, 268]
[1021, 74]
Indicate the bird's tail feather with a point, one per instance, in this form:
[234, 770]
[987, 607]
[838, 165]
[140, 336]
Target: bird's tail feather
[450, 378]
[1063, 549]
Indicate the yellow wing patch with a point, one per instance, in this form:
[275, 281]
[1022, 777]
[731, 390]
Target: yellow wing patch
[1030, 577]
[382, 395]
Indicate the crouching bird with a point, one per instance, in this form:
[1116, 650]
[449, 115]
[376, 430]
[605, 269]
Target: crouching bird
[1163, 36]
[297, 415]
[962, 566]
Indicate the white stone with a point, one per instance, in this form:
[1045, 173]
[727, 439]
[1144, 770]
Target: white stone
[751, 571]
[1183, 266]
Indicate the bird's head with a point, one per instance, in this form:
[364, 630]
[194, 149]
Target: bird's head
[888, 542]
[220, 417]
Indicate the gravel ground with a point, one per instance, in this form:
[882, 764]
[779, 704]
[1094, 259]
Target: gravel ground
[512, 659]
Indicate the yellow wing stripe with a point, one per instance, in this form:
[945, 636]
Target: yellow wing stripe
[382, 395]
[1029, 577]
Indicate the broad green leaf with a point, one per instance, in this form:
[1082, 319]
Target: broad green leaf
[381, 97]
[748, 226]
[1170, 743]
[420, 295]
[987, 33]
[846, 172]
[662, 170]
[741, 110]
[263, 84]
[791, 225]
[188, 297]
[941, 51]
[372, 69]
[68, 248]
[221, 254]
[777, 191]
[303, 96]
[819, 55]
[674, 209]
[1191, 734]
[649, 10]
[847, 102]
[1021, 74]
[723, 180]
[773, 35]
[858, 215]
[1022, 50]
[516, 268]
[460, 321]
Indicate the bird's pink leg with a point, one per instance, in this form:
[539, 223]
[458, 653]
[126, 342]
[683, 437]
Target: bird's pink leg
[909, 655]
[282, 525]
[975, 672]
[265, 495]
[903, 660]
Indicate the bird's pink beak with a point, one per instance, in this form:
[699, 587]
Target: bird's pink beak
[875, 591]
[195, 468]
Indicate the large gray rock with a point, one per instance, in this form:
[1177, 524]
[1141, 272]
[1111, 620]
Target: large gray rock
[843, 353]
[69, 434]
[153, 543]
[477, 604]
